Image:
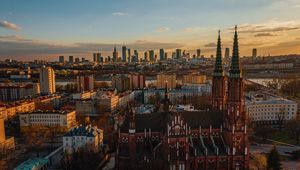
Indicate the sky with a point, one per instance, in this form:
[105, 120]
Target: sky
[45, 29]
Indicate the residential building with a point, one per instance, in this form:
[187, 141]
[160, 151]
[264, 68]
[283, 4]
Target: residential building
[47, 80]
[137, 81]
[18, 91]
[6, 143]
[11, 110]
[270, 110]
[193, 79]
[40, 120]
[121, 82]
[162, 78]
[89, 137]
[85, 83]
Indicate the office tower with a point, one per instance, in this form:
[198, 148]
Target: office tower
[135, 52]
[129, 55]
[47, 80]
[82, 59]
[161, 54]
[151, 55]
[254, 53]
[115, 55]
[166, 56]
[61, 59]
[227, 53]
[108, 58]
[99, 57]
[198, 53]
[85, 83]
[137, 81]
[173, 55]
[146, 56]
[71, 59]
[77, 60]
[124, 54]
[162, 78]
[178, 53]
[95, 57]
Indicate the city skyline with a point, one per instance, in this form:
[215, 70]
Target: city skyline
[39, 29]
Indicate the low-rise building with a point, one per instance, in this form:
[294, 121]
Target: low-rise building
[6, 143]
[13, 92]
[83, 136]
[271, 110]
[42, 120]
[12, 109]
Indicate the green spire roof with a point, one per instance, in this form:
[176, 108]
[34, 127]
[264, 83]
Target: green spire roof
[235, 63]
[219, 65]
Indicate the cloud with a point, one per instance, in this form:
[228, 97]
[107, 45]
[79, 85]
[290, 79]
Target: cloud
[119, 13]
[162, 29]
[210, 45]
[9, 25]
[14, 45]
[273, 25]
[266, 34]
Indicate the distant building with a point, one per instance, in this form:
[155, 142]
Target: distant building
[124, 53]
[198, 53]
[137, 81]
[151, 55]
[129, 55]
[161, 54]
[99, 57]
[227, 53]
[121, 82]
[13, 92]
[47, 80]
[71, 59]
[85, 83]
[146, 56]
[115, 55]
[39, 120]
[178, 53]
[61, 59]
[89, 137]
[254, 53]
[270, 110]
[162, 78]
[108, 102]
[77, 60]
[193, 79]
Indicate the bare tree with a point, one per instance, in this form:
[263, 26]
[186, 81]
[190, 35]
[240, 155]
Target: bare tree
[281, 118]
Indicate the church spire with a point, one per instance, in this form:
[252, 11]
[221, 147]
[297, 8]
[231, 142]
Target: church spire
[219, 65]
[235, 63]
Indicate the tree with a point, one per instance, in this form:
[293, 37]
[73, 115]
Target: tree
[260, 161]
[280, 118]
[273, 161]
[293, 126]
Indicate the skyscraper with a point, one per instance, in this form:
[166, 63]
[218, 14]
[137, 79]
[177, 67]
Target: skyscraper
[178, 53]
[161, 54]
[95, 57]
[61, 59]
[151, 55]
[227, 53]
[47, 80]
[115, 55]
[136, 53]
[71, 59]
[198, 53]
[98, 57]
[146, 55]
[124, 53]
[129, 55]
[166, 56]
[254, 53]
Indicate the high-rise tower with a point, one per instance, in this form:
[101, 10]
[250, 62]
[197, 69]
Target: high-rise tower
[235, 128]
[218, 85]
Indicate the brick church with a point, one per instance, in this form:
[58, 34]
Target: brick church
[214, 139]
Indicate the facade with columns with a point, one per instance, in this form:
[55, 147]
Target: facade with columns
[214, 139]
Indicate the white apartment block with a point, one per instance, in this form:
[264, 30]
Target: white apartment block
[47, 80]
[62, 120]
[270, 110]
[83, 136]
